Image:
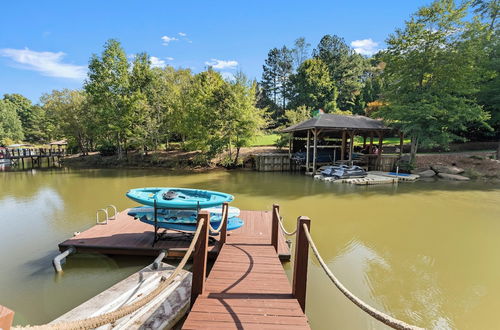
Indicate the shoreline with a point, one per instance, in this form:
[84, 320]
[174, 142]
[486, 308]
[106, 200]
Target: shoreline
[475, 164]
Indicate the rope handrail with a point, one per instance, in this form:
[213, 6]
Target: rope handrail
[380, 316]
[100, 320]
[224, 218]
[280, 221]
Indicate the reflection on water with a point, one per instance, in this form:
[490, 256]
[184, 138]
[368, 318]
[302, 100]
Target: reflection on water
[425, 252]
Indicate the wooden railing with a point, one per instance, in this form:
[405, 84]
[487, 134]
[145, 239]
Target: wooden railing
[15, 153]
[200, 253]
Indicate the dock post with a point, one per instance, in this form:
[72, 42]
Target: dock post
[200, 258]
[223, 231]
[300, 265]
[274, 227]
[6, 318]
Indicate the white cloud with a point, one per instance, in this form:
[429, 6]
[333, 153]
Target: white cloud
[48, 63]
[182, 34]
[221, 64]
[169, 58]
[365, 46]
[156, 62]
[167, 40]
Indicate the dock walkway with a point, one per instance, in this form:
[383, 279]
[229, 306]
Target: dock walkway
[247, 287]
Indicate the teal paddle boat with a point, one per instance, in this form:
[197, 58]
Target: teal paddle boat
[178, 198]
[182, 225]
[187, 216]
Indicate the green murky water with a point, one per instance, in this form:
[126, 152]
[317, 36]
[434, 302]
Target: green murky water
[425, 252]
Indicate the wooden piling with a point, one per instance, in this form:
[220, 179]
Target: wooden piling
[274, 226]
[6, 318]
[223, 231]
[299, 287]
[200, 258]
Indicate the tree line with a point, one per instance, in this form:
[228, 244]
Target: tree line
[437, 80]
[125, 106]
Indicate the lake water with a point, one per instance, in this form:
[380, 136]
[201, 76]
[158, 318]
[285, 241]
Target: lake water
[425, 252]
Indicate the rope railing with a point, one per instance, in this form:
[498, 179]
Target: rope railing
[380, 316]
[223, 220]
[283, 229]
[100, 320]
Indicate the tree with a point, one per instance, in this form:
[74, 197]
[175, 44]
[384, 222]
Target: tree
[312, 86]
[345, 66]
[431, 76]
[168, 98]
[300, 52]
[144, 123]
[275, 83]
[71, 112]
[108, 88]
[31, 116]
[489, 10]
[245, 120]
[10, 124]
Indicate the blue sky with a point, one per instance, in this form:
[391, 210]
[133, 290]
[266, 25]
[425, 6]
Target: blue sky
[46, 45]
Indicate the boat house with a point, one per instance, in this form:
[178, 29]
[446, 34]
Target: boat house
[330, 139]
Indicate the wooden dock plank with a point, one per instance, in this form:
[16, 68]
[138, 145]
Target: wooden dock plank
[247, 287]
[133, 237]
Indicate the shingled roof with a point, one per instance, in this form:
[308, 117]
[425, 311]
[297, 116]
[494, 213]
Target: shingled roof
[338, 122]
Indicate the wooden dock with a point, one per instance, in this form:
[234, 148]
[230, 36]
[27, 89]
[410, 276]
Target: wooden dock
[128, 236]
[247, 288]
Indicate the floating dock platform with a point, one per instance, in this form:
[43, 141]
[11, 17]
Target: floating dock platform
[128, 236]
[372, 178]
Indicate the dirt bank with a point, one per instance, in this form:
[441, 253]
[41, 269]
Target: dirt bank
[477, 164]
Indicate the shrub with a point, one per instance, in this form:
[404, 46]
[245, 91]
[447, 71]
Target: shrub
[107, 149]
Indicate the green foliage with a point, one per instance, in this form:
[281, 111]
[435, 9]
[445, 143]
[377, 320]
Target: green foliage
[10, 124]
[108, 88]
[431, 75]
[295, 116]
[312, 86]
[70, 116]
[221, 115]
[276, 73]
[345, 66]
[32, 118]
[107, 149]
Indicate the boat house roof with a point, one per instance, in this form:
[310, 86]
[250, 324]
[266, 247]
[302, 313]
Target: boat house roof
[336, 122]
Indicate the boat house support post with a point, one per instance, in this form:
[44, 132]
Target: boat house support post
[364, 141]
[299, 287]
[308, 145]
[315, 133]
[200, 258]
[371, 141]
[380, 144]
[401, 140]
[342, 149]
[351, 145]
